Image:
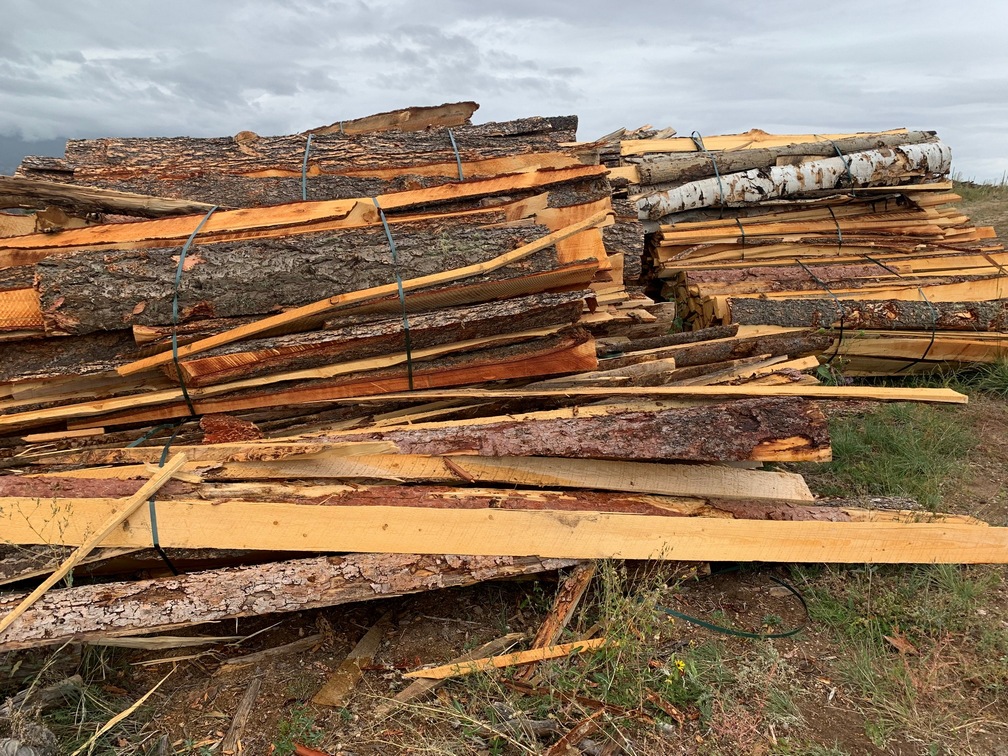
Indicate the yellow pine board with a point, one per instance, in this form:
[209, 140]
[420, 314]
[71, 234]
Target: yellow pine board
[575, 535]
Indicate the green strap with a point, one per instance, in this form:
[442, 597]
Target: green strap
[304, 169]
[175, 307]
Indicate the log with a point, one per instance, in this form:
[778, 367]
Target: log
[111, 290]
[881, 314]
[682, 167]
[866, 168]
[748, 140]
[341, 683]
[329, 153]
[145, 606]
[35, 193]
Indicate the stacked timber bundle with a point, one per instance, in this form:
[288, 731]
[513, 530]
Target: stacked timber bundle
[857, 233]
[431, 372]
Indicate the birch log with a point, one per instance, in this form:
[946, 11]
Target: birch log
[867, 168]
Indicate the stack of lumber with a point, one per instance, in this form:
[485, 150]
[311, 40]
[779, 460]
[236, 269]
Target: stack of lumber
[858, 233]
[353, 397]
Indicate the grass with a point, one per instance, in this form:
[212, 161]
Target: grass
[902, 450]
[297, 727]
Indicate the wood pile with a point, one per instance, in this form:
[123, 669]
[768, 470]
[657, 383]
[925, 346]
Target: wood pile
[440, 368]
[854, 233]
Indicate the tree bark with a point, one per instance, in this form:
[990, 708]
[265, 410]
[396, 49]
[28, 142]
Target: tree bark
[883, 314]
[359, 341]
[111, 290]
[35, 193]
[740, 430]
[682, 167]
[868, 168]
[328, 153]
[86, 613]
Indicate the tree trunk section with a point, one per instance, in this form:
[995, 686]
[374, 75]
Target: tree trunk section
[865, 168]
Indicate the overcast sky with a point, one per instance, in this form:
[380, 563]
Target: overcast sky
[82, 68]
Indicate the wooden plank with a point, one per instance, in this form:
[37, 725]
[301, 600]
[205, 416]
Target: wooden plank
[877, 393]
[564, 605]
[549, 472]
[422, 686]
[502, 532]
[122, 511]
[507, 660]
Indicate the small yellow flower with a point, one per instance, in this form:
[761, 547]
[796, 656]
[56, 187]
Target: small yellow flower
[680, 665]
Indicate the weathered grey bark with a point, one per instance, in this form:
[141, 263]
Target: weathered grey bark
[331, 153]
[35, 193]
[673, 339]
[626, 236]
[353, 342]
[870, 168]
[111, 290]
[244, 191]
[48, 358]
[90, 612]
[721, 432]
[690, 166]
[887, 314]
[708, 352]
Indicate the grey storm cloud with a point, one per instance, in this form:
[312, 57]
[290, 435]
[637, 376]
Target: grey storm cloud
[81, 68]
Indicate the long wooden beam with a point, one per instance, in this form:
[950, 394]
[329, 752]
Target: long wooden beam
[501, 532]
[876, 393]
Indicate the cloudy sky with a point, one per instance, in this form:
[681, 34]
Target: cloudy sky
[82, 68]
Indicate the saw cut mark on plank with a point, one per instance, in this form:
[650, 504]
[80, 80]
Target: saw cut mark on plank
[501, 532]
[115, 519]
[508, 660]
[332, 304]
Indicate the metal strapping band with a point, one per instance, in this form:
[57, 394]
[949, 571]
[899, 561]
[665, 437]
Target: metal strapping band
[839, 235]
[846, 162]
[741, 229]
[882, 265]
[152, 508]
[698, 141]
[175, 308]
[839, 307]
[304, 170]
[458, 157]
[402, 294]
[934, 327]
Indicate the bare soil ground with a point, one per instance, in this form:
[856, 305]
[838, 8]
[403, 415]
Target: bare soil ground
[894, 660]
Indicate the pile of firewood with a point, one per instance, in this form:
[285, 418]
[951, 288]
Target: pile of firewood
[440, 367]
[858, 234]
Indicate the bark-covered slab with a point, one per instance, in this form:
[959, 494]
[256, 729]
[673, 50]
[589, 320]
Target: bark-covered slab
[882, 314]
[85, 613]
[114, 289]
[329, 153]
[739, 430]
